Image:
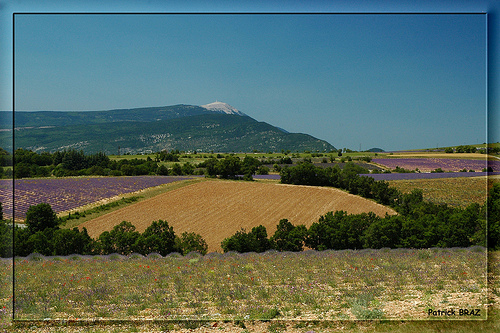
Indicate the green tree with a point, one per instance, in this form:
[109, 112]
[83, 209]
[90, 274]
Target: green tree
[72, 241]
[250, 165]
[187, 169]
[339, 231]
[176, 169]
[229, 167]
[288, 237]
[259, 239]
[263, 170]
[74, 160]
[159, 237]
[211, 167]
[21, 246]
[162, 170]
[407, 203]
[384, 232]
[6, 244]
[41, 242]
[190, 241]
[253, 241]
[40, 217]
[239, 242]
[121, 239]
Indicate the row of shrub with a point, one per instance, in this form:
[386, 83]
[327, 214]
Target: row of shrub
[66, 163]
[347, 178]
[43, 235]
[423, 225]
[420, 224]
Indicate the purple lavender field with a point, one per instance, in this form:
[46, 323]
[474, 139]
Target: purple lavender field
[69, 193]
[430, 164]
[401, 176]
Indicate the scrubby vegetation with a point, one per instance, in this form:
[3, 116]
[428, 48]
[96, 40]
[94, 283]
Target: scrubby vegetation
[420, 224]
[43, 235]
[75, 163]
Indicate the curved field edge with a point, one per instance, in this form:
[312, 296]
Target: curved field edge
[217, 209]
[140, 195]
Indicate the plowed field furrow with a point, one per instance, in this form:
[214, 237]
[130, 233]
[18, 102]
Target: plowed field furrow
[218, 209]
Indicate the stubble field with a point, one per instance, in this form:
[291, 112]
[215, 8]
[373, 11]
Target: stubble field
[218, 209]
[455, 192]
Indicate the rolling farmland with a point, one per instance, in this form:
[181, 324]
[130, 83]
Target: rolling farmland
[429, 164]
[65, 194]
[218, 209]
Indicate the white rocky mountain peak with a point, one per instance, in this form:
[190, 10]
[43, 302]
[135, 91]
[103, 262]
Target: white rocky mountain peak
[221, 107]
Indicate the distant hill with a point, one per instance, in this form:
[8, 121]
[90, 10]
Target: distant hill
[376, 150]
[214, 127]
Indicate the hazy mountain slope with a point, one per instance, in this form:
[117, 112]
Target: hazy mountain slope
[65, 118]
[204, 132]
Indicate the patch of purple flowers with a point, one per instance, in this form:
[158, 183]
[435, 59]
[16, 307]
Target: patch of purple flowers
[68, 193]
[401, 176]
[431, 164]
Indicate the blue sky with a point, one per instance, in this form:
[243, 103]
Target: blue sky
[394, 81]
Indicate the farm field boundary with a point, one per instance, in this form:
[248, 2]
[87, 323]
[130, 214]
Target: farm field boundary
[217, 209]
[69, 194]
[471, 156]
[455, 192]
[89, 212]
[431, 164]
[428, 175]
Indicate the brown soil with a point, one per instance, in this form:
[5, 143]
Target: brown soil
[218, 209]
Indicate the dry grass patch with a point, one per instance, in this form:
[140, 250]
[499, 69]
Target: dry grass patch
[473, 156]
[456, 192]
[218, 209]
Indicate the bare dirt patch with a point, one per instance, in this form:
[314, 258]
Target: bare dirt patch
[218, 209]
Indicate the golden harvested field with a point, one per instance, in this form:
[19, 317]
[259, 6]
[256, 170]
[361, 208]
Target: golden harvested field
[456, 192]
[218, 209]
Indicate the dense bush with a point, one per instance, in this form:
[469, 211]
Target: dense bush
[43, 235]
[347, 178]
[231, 167]
[253, 241]
[75, 163]
[289, 237]
[420, 224]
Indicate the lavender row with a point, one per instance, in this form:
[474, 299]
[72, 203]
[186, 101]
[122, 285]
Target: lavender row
[69, 193]
[410, 176]
[271, 176]
[430, 164]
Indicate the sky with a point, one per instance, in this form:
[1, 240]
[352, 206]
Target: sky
[390, 76]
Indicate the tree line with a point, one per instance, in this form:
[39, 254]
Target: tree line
[347, 178]
[43, 235]
[29, 164]
[419, 224]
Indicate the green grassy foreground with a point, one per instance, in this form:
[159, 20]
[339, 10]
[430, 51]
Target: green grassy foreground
[353, 291]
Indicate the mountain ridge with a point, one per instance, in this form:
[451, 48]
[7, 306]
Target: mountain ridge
[220, 128]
